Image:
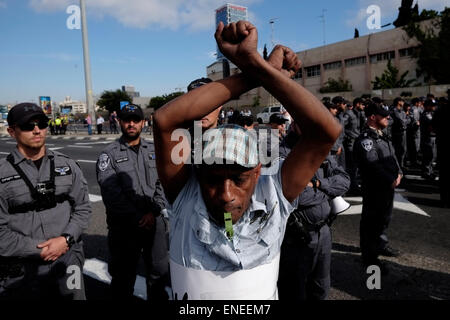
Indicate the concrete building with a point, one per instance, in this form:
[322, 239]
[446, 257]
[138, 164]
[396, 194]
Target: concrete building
[357, 60]
[131, 91]
[227, 14]
[71, 106]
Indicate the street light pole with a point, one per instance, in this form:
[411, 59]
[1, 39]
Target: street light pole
[87, 63]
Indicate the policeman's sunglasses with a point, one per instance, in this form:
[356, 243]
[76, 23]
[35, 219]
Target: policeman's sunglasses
[29, 126]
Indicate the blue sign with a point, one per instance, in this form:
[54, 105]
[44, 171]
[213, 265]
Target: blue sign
[123, 104]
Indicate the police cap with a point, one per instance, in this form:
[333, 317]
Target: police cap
[24, 112]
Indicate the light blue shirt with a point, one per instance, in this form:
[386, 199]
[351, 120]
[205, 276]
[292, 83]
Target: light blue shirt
[197, 242]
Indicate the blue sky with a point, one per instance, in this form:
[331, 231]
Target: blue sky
[157, 46]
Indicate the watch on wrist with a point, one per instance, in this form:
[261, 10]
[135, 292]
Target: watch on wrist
[69, 239]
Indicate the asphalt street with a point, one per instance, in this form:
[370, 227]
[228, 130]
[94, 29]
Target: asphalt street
[419, 229]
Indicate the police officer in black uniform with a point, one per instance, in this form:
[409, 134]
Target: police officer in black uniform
[440, 124]
[399, 126]
[306, 250]
[134, 201]
[413, 132]
[380, 174]
[428, 139]
[351, 132]
[44, 209]
[337, 151]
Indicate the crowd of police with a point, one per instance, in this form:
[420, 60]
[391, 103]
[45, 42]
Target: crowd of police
[44, 203]
[416, 128]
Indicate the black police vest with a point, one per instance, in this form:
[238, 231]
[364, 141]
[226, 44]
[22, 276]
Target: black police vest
[43, 193]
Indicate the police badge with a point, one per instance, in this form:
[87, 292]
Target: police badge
[103, 162]
[367, 144]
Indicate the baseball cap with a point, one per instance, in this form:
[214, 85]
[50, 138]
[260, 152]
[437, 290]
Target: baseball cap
[230, 144]
[375, 108]
[329, 105]
[429, 102]
[245, 120]
[24, 112]
[277, 118]
[131, 110]
[198, 83]
[338, 100]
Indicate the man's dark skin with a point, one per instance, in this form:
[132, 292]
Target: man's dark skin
[227, 189]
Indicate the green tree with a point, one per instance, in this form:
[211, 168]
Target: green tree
[333, 85]
[389, 79]
[110, 100]
[433, 59]
[158, 101]
[256, 101]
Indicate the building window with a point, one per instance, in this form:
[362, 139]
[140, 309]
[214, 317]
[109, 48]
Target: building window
[299, 74]
[407, 52]
[332, 65]
[355, 61]
[313, 71]
[382, 56]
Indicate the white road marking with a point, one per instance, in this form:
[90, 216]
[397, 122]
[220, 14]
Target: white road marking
[75, 146]
[56, 148]
[10, 142]
[98, 270]
[94, 198]
[87, 161]
[4, 152]
[415, 177]
[400, 203]
[87, 143]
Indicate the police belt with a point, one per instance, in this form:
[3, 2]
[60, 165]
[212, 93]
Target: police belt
[41, 201]
[312, 227]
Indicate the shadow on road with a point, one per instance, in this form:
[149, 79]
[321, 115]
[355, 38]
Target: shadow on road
[402, 282]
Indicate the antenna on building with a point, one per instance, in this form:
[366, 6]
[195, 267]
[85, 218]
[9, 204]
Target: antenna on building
[272, 22]
[323, 22]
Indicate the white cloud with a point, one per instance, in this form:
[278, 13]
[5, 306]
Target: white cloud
[170, 14]
[389, 10]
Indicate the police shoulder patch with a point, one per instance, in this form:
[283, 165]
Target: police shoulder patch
[367, 144]
[103, 162]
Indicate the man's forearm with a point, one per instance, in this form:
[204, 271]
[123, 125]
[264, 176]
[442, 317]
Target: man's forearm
[307, 111]
[181, 112]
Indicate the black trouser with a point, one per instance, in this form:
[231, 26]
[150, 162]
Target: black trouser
[375, 219]
[350, 166]
[305, 268]
[428, 147]
[443, 160]
[33, 279]
[99, 128]
[126, 245]
[399, 142]
[412, 145]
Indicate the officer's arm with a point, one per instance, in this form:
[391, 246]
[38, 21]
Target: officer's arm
[81, 207]
[159, 200]
[12, 243]
[113, 196]
[309, 197]
[337, 181]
